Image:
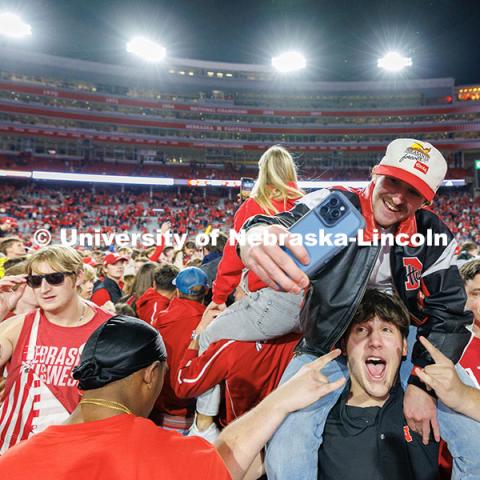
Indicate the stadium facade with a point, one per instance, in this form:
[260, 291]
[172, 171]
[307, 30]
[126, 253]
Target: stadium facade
[218, 116]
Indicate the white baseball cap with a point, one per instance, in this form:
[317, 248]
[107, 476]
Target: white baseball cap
[414, 162]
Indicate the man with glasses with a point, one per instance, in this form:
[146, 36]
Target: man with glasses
[39, 349]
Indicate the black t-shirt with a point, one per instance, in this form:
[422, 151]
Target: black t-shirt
[349, 449]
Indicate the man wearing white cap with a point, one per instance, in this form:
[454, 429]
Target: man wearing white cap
[424, 276]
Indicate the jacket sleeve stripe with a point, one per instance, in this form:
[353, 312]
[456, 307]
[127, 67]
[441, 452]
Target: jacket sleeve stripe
[205, 367]
[445, 261]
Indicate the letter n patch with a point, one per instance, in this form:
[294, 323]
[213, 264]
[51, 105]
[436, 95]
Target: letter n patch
[413, 267]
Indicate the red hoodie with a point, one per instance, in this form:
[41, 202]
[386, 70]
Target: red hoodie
[230, 267]
[176, 324]
[150, 304]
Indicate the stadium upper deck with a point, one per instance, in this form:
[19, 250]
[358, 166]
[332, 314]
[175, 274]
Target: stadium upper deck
[204, 112]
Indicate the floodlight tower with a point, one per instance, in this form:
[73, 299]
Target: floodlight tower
[12, 26]
[394, 62]
[291, 61]
[147, 49]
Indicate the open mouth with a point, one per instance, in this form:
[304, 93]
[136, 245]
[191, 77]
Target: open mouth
[376, 367]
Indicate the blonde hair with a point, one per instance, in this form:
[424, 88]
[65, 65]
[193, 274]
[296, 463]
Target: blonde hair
[128, 281]
[58, 257]
[89, 273]
[125, 251]
[18, 269]
[276, 170]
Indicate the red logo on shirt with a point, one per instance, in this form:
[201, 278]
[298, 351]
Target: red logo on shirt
[413, 268]
[406, 434]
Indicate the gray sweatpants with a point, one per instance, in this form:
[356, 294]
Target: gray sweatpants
[260, 315]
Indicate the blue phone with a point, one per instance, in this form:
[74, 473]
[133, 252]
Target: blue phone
[333, 218]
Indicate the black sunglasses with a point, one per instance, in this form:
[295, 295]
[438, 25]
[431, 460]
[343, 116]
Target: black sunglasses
[56, 278]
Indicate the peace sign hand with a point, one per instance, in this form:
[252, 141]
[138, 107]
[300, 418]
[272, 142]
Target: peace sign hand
[442, 377]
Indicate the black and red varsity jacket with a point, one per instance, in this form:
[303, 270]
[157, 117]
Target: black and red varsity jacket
[425, 277]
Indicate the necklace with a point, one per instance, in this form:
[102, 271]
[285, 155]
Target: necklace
[82, 316]
[107, 404]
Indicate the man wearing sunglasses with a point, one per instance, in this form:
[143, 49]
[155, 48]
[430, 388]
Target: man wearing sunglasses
[39, 349]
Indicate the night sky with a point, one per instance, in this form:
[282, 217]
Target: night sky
[341, 39]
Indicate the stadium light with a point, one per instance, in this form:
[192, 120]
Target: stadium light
[12, 25]
[146, 49]
[290, 61]
[394, 62]
[160, 181]
[88, 177]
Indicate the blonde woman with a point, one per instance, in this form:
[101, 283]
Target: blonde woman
[262, 313]
[275, 191]
[85, 288]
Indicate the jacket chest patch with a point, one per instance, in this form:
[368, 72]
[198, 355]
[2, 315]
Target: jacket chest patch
[413, 268]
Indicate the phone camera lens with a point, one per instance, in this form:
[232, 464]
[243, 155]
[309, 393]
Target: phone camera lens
[335, 213]
[324, 211]
[334, 202]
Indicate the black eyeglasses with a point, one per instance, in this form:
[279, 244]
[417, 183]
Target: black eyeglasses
[56, 278]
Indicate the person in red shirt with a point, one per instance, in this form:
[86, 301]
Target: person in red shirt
[110, 288]
[176, 324]
[121, 372]
[470, 361]
[156, 299]
[39, 349]
[7, 225]
[248, 371]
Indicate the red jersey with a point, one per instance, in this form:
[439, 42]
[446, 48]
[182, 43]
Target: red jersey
[40, 390]
[470, 360]
[150, 304]
[176, 324]
[231, 266]
[122, 447]
[249, 370]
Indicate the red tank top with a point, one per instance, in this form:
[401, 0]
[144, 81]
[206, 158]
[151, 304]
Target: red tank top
[40, 390]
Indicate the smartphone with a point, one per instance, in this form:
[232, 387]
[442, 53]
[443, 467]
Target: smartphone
[246, 186]
[332, 218]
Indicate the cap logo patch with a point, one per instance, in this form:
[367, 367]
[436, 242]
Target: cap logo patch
[418, 154]
[422, 167]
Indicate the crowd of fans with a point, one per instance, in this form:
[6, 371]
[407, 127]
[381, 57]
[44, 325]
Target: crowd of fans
[36, 206]
[193, 295]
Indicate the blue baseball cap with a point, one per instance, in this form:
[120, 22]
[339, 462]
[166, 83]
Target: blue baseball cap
[189, 278]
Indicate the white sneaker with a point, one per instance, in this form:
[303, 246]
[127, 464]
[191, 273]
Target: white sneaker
[210, 434]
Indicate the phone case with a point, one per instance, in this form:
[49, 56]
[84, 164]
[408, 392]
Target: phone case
[322, 218]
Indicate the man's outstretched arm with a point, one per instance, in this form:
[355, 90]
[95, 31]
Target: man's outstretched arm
[242, 440]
